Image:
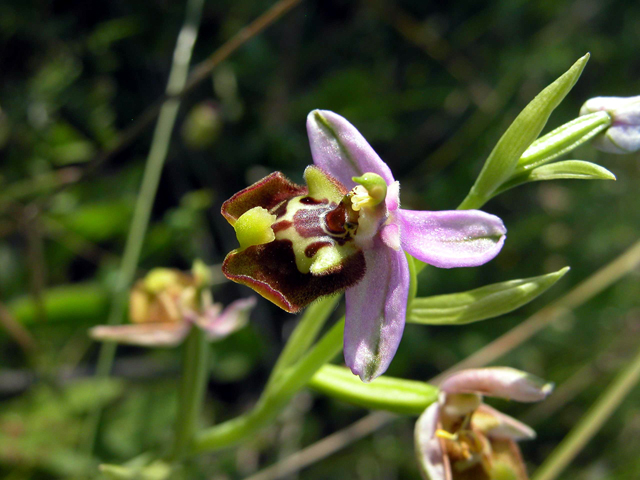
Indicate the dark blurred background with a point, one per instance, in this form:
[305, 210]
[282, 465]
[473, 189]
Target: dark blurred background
[432, 86]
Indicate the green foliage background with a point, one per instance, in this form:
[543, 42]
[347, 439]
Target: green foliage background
[431, 86]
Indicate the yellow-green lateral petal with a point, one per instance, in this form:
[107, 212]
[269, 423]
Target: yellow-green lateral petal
[322, 186]
[254, 227]
[329, 258]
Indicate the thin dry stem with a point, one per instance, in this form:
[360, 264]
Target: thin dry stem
[325, 447]
[35, 258]
[199, 73]
[17, 331]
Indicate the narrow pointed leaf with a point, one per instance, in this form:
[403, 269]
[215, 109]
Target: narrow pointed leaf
[384, 393]
[563, 140]
[567, 169]
[482, 303]
[157, 470]
[519, 136]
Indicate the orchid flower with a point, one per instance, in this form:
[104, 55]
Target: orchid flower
[459, 437]
[166, 304]
[346, 231]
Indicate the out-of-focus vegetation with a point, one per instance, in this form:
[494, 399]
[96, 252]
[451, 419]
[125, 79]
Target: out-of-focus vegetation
[431, 86]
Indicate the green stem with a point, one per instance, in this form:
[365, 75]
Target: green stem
[472, 201]
[312, 321]
[413, 283]
[270, 405]
[153, 169]
[591, 422]
[192, 390]
[395, 395]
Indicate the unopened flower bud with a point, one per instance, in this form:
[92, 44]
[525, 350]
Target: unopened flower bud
[623, 136]
[202, 126]
[158, 297]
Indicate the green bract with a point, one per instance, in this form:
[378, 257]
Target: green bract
[519, 136]
[563, 139]
[567, 169]
[481, 303]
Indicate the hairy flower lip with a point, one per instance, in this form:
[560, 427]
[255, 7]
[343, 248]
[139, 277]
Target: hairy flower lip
[310, 255]
[266, 193]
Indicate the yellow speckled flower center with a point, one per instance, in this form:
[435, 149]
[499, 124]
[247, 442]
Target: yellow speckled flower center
[360, 198]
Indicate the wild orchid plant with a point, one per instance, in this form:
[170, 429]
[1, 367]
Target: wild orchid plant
[300, 246]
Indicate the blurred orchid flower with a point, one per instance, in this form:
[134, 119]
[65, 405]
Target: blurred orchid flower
[346, 231]
[167, 303]
[459, 437]
[623, 136]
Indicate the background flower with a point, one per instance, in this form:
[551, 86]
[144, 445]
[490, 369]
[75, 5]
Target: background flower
[166, 304]
[459, 437]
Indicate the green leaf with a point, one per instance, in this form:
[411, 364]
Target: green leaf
[81, 303]
[83, 395]
[519, 136]
[482, 303]
[384, 393]
[142, 467]
[563, 139]
[567, 169]
[117, 472]
[157, 470]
